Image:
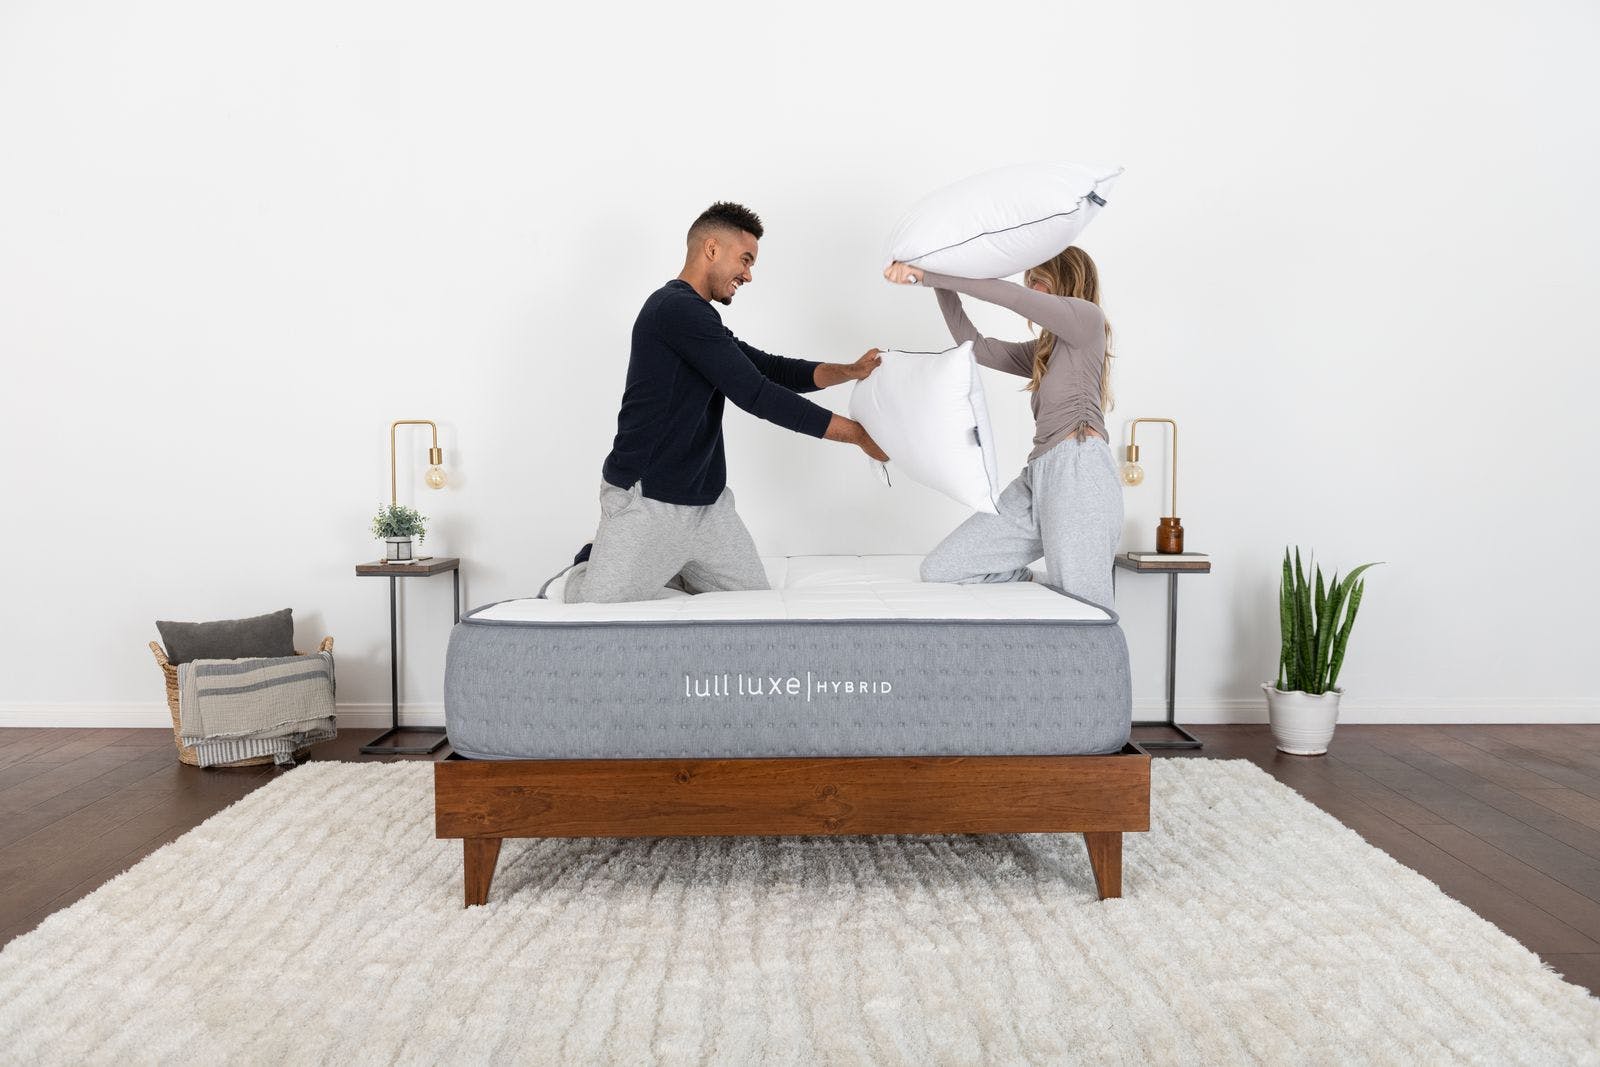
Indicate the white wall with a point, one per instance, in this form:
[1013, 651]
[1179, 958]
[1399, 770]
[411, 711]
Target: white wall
[1354, 254]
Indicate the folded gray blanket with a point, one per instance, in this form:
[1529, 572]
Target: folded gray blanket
[230, 709]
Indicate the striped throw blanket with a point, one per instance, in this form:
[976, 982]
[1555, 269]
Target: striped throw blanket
[232, 709]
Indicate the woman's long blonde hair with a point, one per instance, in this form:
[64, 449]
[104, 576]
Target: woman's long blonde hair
[1072, 273]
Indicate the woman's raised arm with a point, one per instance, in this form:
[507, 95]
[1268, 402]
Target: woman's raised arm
[1012, 357]
[1063, 316]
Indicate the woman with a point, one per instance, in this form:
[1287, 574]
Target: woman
[1067, 504]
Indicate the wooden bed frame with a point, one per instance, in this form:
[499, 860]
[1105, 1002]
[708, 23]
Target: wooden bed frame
[485, 801]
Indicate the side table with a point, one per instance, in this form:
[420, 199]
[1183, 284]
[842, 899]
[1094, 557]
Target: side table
[1124, 561]
[386, 742]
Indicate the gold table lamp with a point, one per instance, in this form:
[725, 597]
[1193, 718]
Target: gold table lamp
[435, 477]
[1169, 531]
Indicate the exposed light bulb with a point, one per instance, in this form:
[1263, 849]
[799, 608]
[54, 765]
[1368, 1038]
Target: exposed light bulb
[435, 477]
[1132, 473]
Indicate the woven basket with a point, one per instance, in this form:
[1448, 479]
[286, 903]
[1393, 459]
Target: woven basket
[185, 753]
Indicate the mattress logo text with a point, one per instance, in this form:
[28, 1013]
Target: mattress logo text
[807, 686]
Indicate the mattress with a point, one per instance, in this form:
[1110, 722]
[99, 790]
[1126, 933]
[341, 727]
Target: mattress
[843, 656]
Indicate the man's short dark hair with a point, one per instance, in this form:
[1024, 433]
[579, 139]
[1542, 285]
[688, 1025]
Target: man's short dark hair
[726, 215]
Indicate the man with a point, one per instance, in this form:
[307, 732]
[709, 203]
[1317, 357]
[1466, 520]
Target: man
[665, 510]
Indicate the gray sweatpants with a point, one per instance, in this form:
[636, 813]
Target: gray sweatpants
[643, 544]
[1066, 506]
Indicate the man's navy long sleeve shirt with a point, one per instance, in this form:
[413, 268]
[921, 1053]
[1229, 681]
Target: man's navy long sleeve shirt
[683, 363]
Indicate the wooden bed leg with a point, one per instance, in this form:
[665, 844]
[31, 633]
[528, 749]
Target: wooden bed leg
[1105, 856]
[480, 855]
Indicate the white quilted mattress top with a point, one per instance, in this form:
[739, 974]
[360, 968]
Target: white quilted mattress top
[818, 587]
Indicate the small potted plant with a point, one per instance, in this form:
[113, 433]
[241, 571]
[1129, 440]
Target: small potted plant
[397, 525]
[1304, 704]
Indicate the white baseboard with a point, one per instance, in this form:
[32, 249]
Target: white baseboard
[1356, 712]
[151, 715]
[376, 716]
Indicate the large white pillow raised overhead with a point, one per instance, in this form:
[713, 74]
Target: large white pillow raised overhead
[1002, 222]
[927, 411]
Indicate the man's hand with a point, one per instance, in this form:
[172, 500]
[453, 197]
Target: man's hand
[864, 366]
[852, 432]
[903, 274]
[828, 374]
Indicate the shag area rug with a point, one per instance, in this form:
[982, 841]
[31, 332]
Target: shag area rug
[318, 920]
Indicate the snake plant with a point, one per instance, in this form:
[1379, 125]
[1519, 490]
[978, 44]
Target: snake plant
[1314, 635]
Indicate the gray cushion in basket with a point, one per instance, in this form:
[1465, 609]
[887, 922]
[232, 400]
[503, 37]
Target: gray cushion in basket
[263, 635]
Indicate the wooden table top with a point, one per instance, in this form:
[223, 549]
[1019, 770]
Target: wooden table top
[435, 565]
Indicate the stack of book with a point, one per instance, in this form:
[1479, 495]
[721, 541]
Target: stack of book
[1187, 560]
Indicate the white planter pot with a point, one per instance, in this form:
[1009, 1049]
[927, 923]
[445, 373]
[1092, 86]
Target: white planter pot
[1302, 723]
[397, 548]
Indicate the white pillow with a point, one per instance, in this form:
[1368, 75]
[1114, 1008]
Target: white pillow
[1002, 222]
[926, 410]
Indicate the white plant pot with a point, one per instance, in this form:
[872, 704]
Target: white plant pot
[397, 548]
[1302, 723]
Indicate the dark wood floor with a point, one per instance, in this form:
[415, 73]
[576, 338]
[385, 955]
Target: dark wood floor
[1506, 819]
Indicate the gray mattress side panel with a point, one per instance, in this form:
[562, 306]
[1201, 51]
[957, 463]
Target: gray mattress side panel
[730, 690]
